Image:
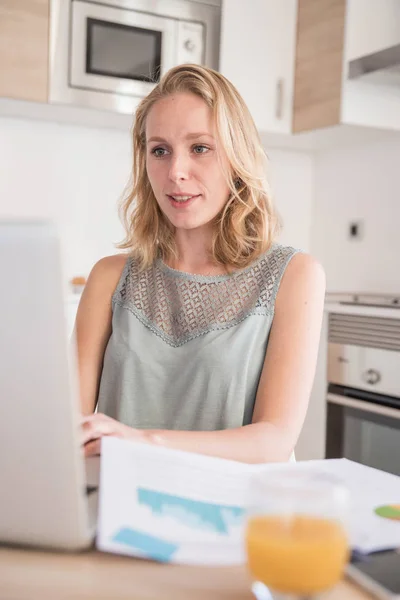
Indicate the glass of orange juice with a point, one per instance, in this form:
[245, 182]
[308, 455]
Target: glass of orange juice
[296, 539]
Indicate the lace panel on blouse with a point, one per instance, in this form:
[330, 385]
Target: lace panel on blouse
[179, 307]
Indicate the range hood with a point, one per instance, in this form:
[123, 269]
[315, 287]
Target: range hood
[381, 67]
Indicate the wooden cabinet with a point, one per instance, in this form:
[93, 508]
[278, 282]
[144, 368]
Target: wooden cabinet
[24, 49]
[290, 60]
[318, 64]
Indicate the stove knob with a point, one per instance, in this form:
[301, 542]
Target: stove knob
[372, 376]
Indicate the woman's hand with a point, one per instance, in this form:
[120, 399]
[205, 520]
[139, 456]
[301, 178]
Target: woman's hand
[95, 426]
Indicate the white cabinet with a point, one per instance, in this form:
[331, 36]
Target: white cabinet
[372, 25]
[371, 89]
[257, 55]
[289, 59]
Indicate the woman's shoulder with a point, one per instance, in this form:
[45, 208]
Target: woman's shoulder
[298, 261]
[110, 266]
[272, 263]
[299, 270]
[107, 271]
[285, 268]
[95, 303]
[280, 255]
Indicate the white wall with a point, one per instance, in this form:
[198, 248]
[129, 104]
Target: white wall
[75, 175]
[360, 184]
[292, 179]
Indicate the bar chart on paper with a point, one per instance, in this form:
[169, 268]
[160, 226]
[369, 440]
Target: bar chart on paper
[171, 506]
[173, 527]
[197, 515]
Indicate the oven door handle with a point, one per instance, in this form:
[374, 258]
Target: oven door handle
[362, 405]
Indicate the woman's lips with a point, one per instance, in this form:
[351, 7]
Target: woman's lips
[186, 200]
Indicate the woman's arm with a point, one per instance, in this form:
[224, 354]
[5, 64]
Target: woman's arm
[284, 387]
[93, 326]
[286, 380]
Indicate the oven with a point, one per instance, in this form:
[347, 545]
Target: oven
[363, 400]
[109, 54]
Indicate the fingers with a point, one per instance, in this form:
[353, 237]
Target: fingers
[93, 448]
[91, 430]
[97, 425]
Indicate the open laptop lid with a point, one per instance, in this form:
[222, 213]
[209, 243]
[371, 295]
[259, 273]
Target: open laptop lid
[43, 492]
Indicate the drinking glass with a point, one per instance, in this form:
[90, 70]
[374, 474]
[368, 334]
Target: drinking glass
[296, 535]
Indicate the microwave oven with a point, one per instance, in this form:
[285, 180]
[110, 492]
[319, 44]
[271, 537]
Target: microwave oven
[108, 54]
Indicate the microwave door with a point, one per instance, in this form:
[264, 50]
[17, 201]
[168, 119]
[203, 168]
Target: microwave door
[119, 51]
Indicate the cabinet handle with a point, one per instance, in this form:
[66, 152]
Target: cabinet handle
[279, 99]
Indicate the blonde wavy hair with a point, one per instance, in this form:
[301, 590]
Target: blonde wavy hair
[248, 224]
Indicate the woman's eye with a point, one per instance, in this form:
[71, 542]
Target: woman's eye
[158, 152]
[200, 149]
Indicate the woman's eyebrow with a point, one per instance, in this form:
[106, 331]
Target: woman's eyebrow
[189, 136]
[156, 139]
[198, 134]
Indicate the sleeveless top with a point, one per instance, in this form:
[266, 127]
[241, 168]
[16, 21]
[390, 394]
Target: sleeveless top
[186, 351]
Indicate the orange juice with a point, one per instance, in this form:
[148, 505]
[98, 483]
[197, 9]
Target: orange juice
[299, 554]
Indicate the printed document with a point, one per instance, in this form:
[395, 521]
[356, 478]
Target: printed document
[182, 507]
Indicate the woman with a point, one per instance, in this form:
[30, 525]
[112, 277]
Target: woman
[205, 337]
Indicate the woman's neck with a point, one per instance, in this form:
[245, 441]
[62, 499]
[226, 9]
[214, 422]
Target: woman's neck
[194, 254]
[197, 267]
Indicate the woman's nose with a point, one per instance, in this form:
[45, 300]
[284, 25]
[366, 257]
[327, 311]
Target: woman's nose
[179, 168]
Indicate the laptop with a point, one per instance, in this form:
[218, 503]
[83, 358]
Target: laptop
[46, 498]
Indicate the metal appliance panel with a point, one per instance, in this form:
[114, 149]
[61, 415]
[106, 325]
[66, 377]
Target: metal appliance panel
[363, 400]
[362, 405]
[364, 432]
[190, 43]
[364, 352]
[80, 78]
[370, 369]
[206, 13]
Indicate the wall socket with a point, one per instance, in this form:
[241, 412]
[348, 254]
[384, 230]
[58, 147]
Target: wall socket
[356, 230]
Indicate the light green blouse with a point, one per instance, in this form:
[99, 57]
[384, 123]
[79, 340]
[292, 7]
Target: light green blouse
[186, 351]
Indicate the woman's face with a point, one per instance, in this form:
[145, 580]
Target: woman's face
[182, 161]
